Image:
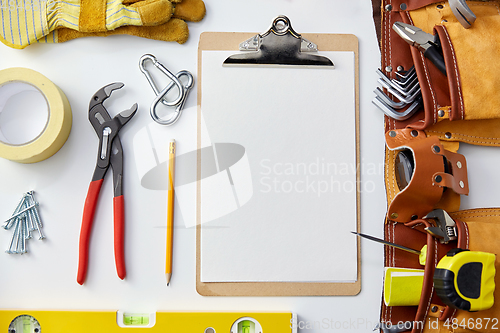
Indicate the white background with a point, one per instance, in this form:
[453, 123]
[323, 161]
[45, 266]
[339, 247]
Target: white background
[46, 277]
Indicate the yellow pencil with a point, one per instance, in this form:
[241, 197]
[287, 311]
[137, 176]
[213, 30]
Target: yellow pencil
[170, 210]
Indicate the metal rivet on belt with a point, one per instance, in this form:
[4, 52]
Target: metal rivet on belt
[438, 179]
[459, 165]
[436, 149]
[447, 135]
[394, 215]
[441, 113]
[392, 134]
[388, 69]
[414, 133]
[388, 8]
[403, 6]
[461, 183]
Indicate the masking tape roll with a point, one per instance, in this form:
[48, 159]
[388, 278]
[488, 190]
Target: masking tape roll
[58, 125]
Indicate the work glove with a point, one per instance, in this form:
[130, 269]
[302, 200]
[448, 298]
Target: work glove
[28, 22]
[174, 30]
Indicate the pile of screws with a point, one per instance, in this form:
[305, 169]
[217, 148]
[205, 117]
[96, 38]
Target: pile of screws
[24, 220]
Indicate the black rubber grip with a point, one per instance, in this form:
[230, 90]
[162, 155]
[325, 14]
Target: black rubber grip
[432, 53]
[444, 283]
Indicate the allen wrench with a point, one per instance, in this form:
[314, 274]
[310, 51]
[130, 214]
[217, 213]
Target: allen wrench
[410, 81]
[390, 112]
[404, 75]
[408, 91]
[389, 102]
[406, 99]
[179, 101]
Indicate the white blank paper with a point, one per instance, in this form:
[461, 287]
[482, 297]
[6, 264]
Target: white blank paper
[298, 128]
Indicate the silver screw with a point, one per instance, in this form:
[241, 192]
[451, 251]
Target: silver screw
[31, 195]
[22, 236]
[18, 238]
[27, 233]
[23, 211]
[28, 230]
[30, 215]
[31, 220]
[11, 249]
[42, 236]
[39, 229]
[461, 183]
[25, 219]
[8, 224]
[459, 164]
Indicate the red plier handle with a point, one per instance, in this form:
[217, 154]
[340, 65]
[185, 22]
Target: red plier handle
[110, 153]
[87, 222]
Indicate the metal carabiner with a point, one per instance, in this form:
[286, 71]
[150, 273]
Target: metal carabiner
[165, 71]
[180, 106]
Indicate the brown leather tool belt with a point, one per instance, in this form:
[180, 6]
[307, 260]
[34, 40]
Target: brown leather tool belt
[461, 106]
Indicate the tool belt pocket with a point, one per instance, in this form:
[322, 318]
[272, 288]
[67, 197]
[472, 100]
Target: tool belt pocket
[469, 90]
[476, 230]
[481, 228]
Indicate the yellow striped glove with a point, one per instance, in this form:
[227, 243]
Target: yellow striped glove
[25, 22]
[175, 30]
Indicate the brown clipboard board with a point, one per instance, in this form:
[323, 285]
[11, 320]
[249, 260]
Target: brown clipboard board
[229, 41]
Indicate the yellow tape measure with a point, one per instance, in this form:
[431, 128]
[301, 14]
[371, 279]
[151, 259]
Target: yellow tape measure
[466, 279]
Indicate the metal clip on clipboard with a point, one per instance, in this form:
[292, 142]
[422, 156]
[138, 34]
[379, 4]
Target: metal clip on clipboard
[280, 45]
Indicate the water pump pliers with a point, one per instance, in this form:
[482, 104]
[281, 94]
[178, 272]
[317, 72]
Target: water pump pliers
[110, 152]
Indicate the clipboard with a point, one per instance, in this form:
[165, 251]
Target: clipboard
[223, 41]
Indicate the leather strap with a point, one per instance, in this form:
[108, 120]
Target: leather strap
[396, 232]
[429, 179]
[462, 244]
[428, 285]
[454, 83]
